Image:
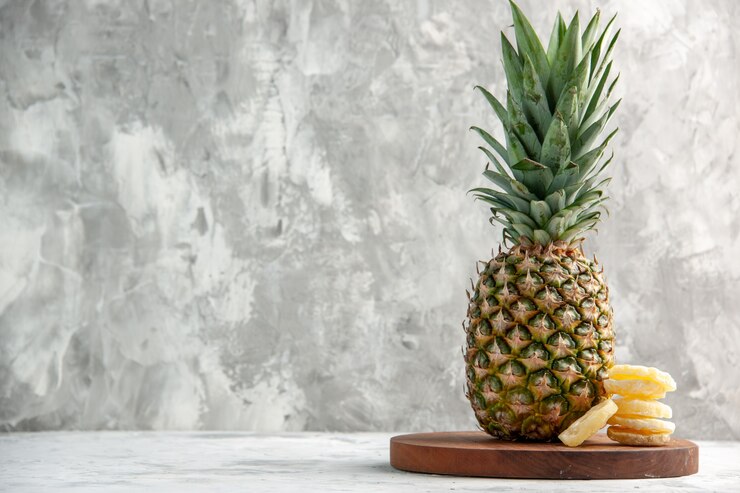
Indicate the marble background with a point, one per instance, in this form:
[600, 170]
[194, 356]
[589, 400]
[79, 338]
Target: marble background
[253, 214]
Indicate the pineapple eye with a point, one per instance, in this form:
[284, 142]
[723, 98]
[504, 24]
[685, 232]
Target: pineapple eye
[569, 265]
[582, 387]
[525, 305]
[543, 378]
[498, 346]
[480, 401]
[555, 405]
[588, 303]
[549, 293]
[513, 368]
[481, 360]
[511, 262]
[583, 330]
[567, 364]
[492, 383]
[503, 414]
[561, 339]
[484, 328]
[567, 316]
[519, 396]
[536, 350]
[543, 321]
[590, 355]
[550, 266]
[519, 333]
[605, 345]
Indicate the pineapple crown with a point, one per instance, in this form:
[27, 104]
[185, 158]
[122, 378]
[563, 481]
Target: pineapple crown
[549, 177]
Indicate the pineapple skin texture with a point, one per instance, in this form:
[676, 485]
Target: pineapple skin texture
[539, 341]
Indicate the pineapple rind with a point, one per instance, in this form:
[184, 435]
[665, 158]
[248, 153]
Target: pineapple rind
[539, 341]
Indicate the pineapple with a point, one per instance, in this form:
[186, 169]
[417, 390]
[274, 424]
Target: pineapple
[539, 326]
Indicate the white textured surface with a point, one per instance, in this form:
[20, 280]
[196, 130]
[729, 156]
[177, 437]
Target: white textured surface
[252, 215]
[125, 461]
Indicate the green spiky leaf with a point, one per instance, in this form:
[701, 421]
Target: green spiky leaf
[585, 140]
[541, 236]
[510, 201]
[522, 128]
[556, 200]
[517, 152]
[534, 99]
[529, 43]
[498, 108]
[568, 109]
[509, 185]
[588, 160]
[540, 212]
[496, 163]
[596, 49]
[563, 177]
[523, 230]
[556, 146]
[589, 34]
[556, 37]
[568, 56]
[512, 68]
[594, 93]
[534, 175]
[495, 144]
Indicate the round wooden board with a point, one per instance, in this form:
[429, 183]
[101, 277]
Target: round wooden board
[478, 454]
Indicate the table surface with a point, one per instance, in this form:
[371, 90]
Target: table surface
[225, 461]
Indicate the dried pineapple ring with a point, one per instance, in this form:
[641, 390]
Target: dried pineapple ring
[646, 424]
[639, 407]
[587, 425]
[629, 372]
[644, 389]
[633, 437]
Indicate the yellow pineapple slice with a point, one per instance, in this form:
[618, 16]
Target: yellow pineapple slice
[642, 408]
[638, 438]
[587, 425]
[639, 389]
[647, 424]
[632, 372]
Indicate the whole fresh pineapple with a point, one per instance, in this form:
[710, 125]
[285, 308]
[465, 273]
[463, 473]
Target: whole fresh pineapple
[539, 327]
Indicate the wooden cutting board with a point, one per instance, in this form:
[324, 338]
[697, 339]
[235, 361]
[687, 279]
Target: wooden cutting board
[477, 454]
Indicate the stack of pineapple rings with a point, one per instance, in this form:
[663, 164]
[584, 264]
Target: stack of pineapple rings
[638, 417]
[634, 415]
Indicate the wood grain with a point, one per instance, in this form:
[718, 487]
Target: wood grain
[478, 454]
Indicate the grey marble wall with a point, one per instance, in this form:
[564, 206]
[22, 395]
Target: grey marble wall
[253, 215]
